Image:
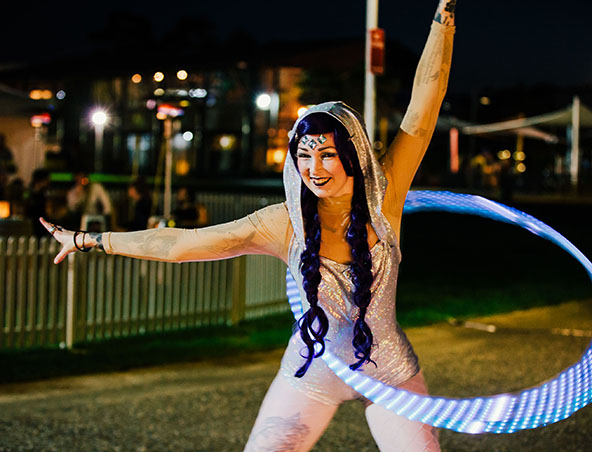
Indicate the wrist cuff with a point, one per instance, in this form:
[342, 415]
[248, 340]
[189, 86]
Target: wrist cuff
[107, 243]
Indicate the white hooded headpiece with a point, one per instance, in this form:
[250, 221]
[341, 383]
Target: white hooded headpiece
[374, 180]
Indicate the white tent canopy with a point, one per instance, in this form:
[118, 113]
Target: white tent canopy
[574, 116]
[560, 118]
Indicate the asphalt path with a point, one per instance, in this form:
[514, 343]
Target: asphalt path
[211, 406]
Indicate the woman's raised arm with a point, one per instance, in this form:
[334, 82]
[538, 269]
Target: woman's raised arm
[266, 231]
[401, 161]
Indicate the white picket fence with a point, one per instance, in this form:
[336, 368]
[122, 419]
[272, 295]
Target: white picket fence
[94, 296]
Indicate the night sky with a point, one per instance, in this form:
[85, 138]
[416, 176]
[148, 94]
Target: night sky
[498, 43]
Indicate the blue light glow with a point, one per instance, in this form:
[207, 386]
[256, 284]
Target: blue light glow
[545, 404]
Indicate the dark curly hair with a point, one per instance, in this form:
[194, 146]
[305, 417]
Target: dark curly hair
[314, 324]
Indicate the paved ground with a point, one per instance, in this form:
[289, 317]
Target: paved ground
[211, 406]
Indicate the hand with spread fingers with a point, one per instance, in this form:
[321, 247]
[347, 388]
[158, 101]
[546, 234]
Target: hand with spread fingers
[70, 240]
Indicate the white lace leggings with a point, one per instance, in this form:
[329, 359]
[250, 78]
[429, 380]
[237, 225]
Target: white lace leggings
[289, 421]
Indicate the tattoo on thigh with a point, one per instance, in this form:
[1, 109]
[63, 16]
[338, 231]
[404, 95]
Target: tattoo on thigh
[278, 434]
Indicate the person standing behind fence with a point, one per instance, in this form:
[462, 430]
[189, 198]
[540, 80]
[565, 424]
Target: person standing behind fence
[15, 194]
[89, 198]
[187, 213]
[7, 166]
[139, 196]
[36, 202]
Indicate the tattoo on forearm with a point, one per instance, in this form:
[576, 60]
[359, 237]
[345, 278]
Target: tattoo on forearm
[279, 434]
[157, 243]
[429, 85]
[430, 64]
[224, 244]
[445, 12]
[450, 7]
[98, 237]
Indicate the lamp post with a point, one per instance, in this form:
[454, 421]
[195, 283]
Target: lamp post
[269, 104]
[39, 122]
[369, 84]
[99, 118]
[166, 113]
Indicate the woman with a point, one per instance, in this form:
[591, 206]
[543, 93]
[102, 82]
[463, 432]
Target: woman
[338, 233]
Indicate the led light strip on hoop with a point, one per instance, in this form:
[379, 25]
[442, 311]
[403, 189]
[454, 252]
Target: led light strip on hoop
[545, 404]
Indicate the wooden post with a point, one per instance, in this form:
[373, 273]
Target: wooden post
[574, 168]
[71, 302]
[239, 279]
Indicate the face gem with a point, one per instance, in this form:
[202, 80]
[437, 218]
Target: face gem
[321, 139]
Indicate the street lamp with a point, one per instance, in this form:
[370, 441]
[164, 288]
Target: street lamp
[263, 101]
[166, 113]
[99, 118]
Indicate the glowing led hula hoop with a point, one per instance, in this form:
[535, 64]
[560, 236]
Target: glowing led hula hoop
[545, 404]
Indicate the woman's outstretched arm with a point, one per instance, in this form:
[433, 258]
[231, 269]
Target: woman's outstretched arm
[404, 155]
[266, 231]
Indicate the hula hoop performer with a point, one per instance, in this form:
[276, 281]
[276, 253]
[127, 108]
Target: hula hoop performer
[338, 233]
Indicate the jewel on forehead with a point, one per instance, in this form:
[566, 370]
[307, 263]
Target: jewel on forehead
[312, 144]
[321, 139]
[304, 139]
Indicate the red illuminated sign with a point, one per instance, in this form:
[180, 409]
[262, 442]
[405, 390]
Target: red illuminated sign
[377, 51]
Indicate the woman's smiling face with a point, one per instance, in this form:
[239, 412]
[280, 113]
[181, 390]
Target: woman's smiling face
[320, 167]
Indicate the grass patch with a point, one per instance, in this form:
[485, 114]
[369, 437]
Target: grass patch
[150, 349]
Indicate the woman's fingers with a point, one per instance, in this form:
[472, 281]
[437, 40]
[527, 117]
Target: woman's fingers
[62, 254]
[50, 227]
[62, 236]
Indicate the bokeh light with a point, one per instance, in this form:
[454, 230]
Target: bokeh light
[199, 93]
[278, 156]
[504, 155]
[99, 117]
[263, 101]
[519, 156]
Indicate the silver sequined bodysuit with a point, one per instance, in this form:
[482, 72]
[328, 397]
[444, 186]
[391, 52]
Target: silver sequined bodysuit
[395, 360]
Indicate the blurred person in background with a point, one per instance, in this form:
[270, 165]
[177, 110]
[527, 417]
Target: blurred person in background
[7, 166]
[89, 199]
[187, 213]
[15, 194]
[56, 209]
[139, 196]
[36, 199]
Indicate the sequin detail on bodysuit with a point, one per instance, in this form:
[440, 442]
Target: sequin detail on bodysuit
[392, 352]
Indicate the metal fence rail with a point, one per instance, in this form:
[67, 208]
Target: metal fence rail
[95, 296]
